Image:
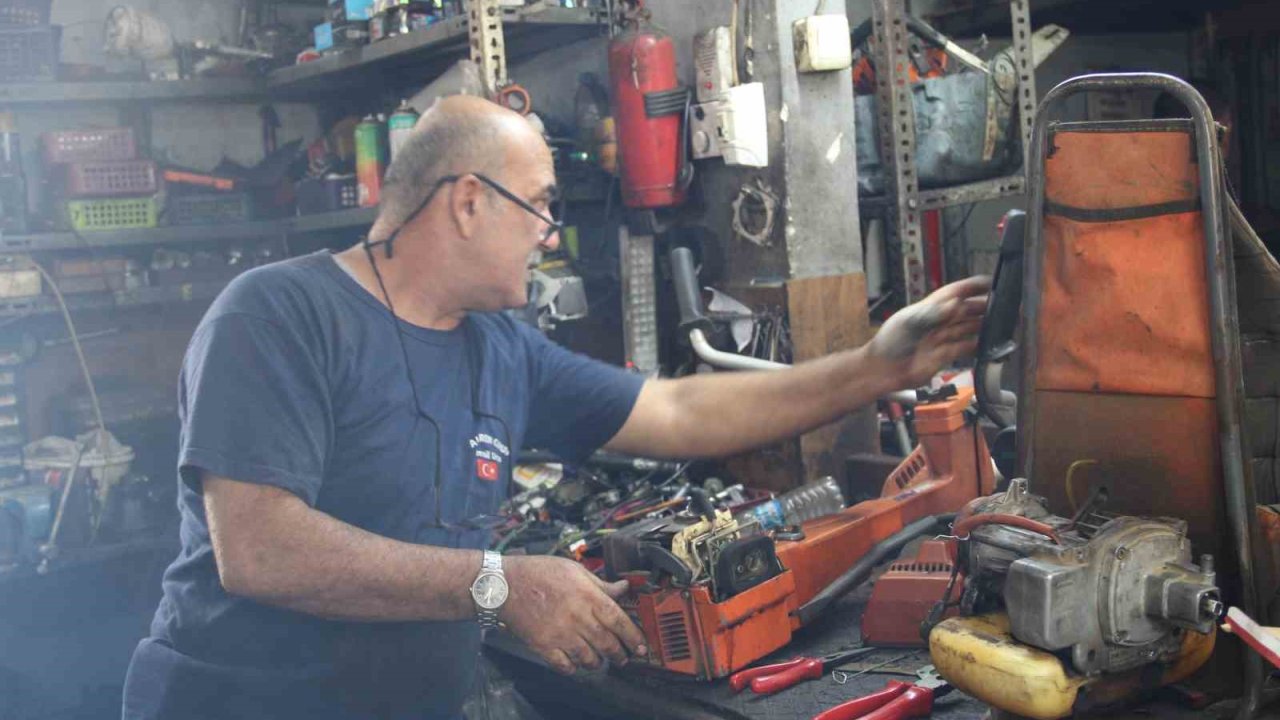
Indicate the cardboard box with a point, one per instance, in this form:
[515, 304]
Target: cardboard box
[343, 11]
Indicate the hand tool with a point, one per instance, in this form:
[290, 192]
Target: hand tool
[769, 679]
[897, 701]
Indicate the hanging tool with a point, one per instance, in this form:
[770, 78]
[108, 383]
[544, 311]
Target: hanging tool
[769, 679]
[897, 701]
[930, 35]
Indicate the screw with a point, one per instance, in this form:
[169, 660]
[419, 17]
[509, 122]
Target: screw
[1121, 552]
[1206, 564]
[913, 203]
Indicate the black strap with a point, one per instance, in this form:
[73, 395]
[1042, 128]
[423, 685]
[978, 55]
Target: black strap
[666, 102]
[1137, 212]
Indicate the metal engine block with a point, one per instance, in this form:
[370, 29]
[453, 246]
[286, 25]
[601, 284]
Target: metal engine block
[1116, 592]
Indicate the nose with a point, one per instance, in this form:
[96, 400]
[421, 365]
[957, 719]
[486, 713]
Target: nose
[551, 243]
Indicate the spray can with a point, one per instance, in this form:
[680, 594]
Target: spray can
[399, 126]
[371, 160]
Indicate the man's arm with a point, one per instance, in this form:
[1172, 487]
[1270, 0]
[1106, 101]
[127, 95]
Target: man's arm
[272, 547]
[723, 413]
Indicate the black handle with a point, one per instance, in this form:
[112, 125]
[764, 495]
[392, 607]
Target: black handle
[688, 297]
[1000, 324]
[995, 341]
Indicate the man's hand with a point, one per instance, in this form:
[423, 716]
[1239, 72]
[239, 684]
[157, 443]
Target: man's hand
[920, 339]
[567, 615]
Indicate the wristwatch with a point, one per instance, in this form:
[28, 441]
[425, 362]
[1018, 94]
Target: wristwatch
[489, 589]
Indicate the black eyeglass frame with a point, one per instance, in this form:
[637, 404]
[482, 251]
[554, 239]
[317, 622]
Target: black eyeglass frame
[553, 225]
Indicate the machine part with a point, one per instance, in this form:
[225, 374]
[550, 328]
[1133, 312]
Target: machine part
[692, 321]
[130, 32]
[693, 544]
[558, 294]
[996, 339]
[639, 302]
[904, 596]
[754, 211]
[1225, 385]
[861, 571]
[649, 110]
[741, 564]
[715, 636]
[488, 43]
[931, 35]
[713, 63]
[1117, 598]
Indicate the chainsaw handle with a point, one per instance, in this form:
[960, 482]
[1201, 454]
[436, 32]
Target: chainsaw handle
[805, 669]
[859, 707]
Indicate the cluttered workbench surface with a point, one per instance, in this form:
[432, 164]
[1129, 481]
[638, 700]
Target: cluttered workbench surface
[636, 693]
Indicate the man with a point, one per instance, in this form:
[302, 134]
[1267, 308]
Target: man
[348, 422]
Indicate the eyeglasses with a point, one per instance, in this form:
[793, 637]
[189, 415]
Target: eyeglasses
[553, 224]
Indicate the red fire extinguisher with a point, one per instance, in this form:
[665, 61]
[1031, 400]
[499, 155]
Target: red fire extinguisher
[650, 108]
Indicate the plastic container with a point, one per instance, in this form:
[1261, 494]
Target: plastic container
[807, 502]
[115, 214]
[209, 208]
[112, 178]
[106, 466]
[328, 194]
[29, 53]
[73, 146]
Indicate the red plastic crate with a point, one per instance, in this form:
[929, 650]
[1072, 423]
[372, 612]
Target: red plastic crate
[112, 179]
[80, 146]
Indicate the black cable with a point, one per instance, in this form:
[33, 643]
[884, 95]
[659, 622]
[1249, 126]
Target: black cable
[861, 570]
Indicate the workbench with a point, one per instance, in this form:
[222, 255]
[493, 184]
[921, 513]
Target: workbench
[634, 692]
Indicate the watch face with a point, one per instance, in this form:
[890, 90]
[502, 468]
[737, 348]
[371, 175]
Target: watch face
[490, 591]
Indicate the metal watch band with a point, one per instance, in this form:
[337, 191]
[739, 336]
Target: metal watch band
[492, 561]
[488, 618]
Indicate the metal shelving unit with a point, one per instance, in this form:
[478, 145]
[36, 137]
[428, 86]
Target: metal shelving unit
[151, 295]
[527, 30]
[896, 120]
[187, 234]
[61, 93]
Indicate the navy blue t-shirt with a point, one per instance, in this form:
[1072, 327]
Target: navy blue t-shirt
[295, 378]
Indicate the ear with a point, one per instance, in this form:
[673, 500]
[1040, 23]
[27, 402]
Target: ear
[465, 205]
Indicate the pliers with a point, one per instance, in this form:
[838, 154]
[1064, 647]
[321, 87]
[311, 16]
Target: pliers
[897, 701]
[769, 679]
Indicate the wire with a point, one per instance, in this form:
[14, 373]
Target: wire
[84, 364]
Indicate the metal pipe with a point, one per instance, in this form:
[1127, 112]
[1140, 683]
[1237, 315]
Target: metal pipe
[1228, 375]
[734, 361]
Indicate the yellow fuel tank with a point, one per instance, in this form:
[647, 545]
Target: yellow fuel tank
[980, 656]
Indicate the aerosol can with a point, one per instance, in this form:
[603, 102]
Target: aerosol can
[371, 159]
[400, 125]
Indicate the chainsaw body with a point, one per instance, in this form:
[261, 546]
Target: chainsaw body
[715, 598]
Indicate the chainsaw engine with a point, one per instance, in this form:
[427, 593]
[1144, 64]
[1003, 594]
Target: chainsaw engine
[1112, 593]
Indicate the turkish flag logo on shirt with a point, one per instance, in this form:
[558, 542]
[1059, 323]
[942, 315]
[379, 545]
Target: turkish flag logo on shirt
[486, 469]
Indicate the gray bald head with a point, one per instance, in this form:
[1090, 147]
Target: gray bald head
[458, 134]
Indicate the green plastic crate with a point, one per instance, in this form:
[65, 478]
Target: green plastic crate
[114, 214]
